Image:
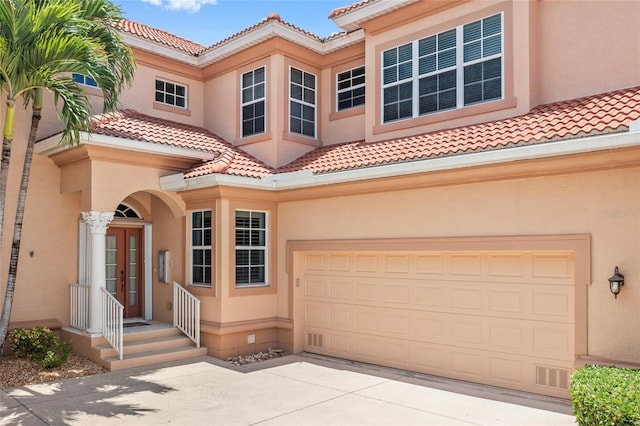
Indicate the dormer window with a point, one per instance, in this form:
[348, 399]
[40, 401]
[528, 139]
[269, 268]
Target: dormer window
[449, 70]
[170, 93]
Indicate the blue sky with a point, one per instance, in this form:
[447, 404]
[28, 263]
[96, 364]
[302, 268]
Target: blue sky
[209, 21]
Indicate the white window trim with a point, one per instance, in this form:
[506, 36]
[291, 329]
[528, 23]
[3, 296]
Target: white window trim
[338, 90]
[263, 98]
[186, 93]
[265, 248]
[459, 67]
[192, 247]
[301, 101]
[84, 80]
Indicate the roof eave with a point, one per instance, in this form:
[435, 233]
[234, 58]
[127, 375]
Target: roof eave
[159, 49]
[305, 179]
[52, 145]
[351, 20]
[273, 29]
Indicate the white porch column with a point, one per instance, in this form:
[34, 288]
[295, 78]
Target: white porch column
[97, 225]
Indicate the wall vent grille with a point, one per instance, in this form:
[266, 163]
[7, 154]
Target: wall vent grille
[314, 339]
[552, 377]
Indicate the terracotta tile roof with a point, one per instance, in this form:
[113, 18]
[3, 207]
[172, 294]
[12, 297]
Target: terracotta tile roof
[270, 18]
[342, 10]
[161, 37]
[192, 48]
[129, 124]
[592, 115]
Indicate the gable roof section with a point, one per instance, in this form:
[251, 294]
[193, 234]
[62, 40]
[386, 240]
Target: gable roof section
[167, 44]
[350, 17]
[132, 125]
[588, 116]
[161, 37]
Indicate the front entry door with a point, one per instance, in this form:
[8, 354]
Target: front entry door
[124, 268]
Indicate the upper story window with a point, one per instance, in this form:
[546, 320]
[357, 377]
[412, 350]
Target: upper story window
[84, 80]
[251, 248]
[253, 102]
[302, 103]
[201, 237]
[171, 93]
[350, 88]
[448, 70]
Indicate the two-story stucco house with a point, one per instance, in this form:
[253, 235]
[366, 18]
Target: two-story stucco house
[445, 187]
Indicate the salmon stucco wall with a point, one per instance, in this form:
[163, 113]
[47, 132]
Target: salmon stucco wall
[582, 203]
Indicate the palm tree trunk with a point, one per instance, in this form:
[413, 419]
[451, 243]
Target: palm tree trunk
[17, 227]
[5, 156]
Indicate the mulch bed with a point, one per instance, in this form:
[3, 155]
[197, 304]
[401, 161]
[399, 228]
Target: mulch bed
[16, 372]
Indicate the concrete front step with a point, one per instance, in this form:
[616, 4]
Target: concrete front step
[148, 348]
[154, 357]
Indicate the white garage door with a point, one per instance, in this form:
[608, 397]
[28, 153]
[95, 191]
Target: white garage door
[499, 318]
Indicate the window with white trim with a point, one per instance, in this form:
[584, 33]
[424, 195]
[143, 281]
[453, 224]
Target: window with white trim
[449, 70]
[350, 88]
[251, 248]
[201, 237]
[302, 103]
[169, 93]
[85, 80]
[253, 102]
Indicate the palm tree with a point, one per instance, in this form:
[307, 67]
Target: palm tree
[41, 43]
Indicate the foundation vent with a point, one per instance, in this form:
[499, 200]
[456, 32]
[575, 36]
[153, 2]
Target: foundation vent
[314, 339]
[552, 377]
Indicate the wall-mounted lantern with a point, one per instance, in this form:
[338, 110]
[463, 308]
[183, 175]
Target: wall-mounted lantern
[615, 282]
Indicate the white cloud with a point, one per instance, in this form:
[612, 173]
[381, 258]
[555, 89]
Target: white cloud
[186, 5]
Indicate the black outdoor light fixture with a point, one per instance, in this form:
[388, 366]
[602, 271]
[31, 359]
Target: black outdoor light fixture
[615, 282]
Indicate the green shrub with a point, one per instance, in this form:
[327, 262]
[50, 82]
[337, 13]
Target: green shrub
[606, 396]
[40, 345]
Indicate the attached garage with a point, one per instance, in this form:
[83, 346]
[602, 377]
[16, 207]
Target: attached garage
[483, 310]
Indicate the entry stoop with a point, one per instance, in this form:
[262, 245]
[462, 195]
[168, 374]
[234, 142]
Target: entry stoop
[151, 347]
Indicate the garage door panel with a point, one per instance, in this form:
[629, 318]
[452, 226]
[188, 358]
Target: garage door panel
[467, 265]
[524, 337]
[501, 318]
[509, 300]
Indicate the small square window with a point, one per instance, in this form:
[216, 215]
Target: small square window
[173, 94]
[350, 88]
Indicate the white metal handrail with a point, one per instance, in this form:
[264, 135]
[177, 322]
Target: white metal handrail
[186, 313]
[112, 321]
[79, 305]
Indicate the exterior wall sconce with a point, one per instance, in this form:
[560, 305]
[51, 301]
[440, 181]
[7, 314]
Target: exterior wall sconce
[615, 282]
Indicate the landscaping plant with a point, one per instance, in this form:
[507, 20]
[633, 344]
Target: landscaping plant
[40, 345]
[606, 396]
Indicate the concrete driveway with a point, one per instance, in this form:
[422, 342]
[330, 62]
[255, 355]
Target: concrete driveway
[294, 390]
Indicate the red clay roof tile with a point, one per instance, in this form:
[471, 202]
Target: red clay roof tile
[342, 10]
[161, 37]
[592, 115]
[129, 124]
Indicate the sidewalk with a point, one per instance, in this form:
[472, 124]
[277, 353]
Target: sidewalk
[294, 390]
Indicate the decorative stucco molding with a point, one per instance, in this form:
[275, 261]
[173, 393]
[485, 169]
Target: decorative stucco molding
[97, 221]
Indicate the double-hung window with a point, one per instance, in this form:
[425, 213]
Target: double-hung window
[452, 69]
[171, 94]
[350, 88]
[84, 80]
[302, 103]
[251, 248]
[201, 234]
[253, 102]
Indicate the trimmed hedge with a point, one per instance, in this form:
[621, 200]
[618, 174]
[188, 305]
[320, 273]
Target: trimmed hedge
[40, 345]
[606, 396]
